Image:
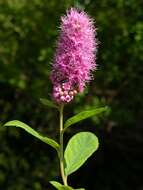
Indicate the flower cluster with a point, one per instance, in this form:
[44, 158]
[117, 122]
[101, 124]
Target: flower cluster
[63, 93]
[75, 56]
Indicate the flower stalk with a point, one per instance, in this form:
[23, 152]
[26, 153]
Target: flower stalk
[64, 177]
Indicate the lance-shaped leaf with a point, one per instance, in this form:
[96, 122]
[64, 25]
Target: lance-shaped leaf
[49, 103]
[83, 115]
[60, 186]
[79, 148]
[36, 134]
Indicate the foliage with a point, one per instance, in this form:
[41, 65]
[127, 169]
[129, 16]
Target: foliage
[79, 148]
[27, 35]
[31, 131]
[62, 187]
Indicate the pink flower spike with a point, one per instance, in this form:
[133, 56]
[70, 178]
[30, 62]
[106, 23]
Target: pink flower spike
[74, 59]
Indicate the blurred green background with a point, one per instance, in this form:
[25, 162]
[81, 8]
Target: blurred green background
[28, 34]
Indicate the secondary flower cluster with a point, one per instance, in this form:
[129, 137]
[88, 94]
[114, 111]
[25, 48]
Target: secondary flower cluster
[75, 56]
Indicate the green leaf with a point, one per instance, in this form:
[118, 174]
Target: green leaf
[80, 147]
[60, 186]
[49, 103]
[36, 134]
[83, 115]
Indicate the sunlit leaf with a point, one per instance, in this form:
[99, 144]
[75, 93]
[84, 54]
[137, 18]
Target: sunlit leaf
[83, 115]
[60, 186]
[31, 131]
[79, 148]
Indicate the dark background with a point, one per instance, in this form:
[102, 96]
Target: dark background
[28, 34]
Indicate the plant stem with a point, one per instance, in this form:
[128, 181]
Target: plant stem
[64, 177]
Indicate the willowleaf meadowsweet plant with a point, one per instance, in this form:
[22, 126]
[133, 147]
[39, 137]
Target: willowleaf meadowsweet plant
[73, 64]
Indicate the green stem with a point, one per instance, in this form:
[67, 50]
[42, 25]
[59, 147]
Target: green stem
[64, 177]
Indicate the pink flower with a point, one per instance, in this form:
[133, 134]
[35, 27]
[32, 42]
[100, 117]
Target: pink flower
[75, 56]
